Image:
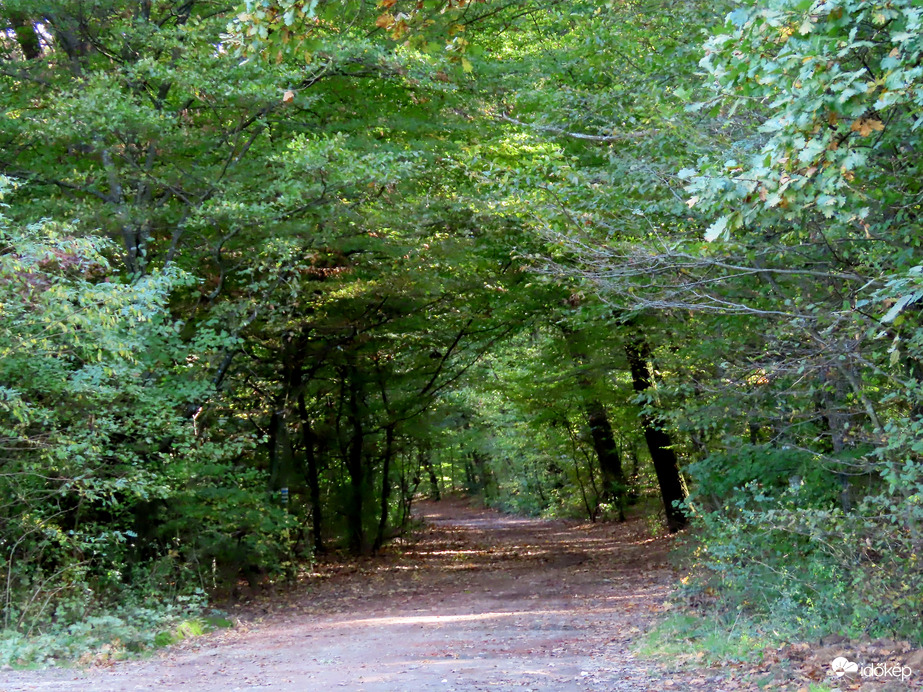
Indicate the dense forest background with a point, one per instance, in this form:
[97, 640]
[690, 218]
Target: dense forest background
[267, 272]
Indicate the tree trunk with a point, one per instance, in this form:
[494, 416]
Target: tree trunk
[385, 488]
[833, 420]
[666, 466]
[26, 36]
[307, 436]
[281, 457]
[431, 472]
[610, 463]
[354, 513]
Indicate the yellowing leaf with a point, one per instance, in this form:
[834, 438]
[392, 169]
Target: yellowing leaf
[865, 126]
[385, 20]
[466, 65]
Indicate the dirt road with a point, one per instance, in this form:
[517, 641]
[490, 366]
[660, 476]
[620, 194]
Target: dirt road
[479, 601]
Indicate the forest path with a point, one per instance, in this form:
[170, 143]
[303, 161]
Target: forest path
[477, 601]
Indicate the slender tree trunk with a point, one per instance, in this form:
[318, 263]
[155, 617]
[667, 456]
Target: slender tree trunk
[427, 463]
[385, 488]
[832, 420]
[273, 449]
[354, 512]
[672, 488]
[313, 478]
[610, 462]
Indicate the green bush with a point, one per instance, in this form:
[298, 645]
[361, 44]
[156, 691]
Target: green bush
[111, 491]
[812, 571]
[128, 629]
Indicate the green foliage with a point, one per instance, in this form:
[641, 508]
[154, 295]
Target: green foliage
[104, 472]
[807, 572]
[816, 521]
[427, 239]
[517, 433]
[127, 629]
[839, 84]
[769, 470]
[710, 640]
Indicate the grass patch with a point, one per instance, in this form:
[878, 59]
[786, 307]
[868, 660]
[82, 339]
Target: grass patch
[191, 628]
[699, 640]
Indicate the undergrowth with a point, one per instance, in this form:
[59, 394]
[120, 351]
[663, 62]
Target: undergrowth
[122, 632]
[685, 637]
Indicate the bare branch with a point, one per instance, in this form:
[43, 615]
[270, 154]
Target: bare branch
[622, 137]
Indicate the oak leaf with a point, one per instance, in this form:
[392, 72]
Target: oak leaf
[865, 126]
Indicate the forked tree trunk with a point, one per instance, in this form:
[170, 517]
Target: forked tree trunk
[607, 454]
[610, 462]
[672, 488]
